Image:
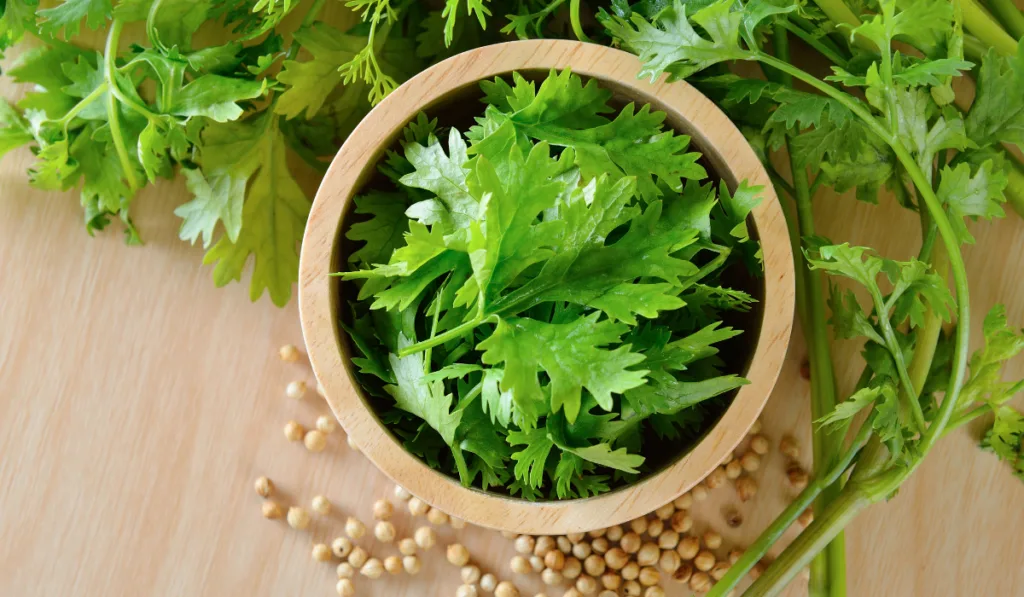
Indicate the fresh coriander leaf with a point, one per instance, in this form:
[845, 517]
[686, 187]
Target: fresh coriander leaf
[674, 396]
[426, 400]
[572, 357]
[382, 233]
[602, 454]
[1006, 439]
[68, 16]
[445, 176]
[971, 196]
[218, 199]
[856, 263]
[450, 14]
[15, 131]
[532, 459]
[1002, 343]
[310, 82]
[497, 403]
[848, 318]
[845, 411]
[997, 114]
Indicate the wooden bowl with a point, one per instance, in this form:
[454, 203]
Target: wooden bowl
[319, 301]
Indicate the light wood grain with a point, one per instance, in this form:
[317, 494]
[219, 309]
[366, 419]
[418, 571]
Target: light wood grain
[138, 403]
[320, 304]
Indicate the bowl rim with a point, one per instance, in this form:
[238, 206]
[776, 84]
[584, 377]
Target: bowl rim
[734, 161]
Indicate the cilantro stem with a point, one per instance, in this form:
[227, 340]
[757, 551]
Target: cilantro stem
[81, 105]
[451, 334]
[840, 14]
[815, 43]
[967, 417]
[979, 22]
[307, 21]
[764, 542]
[780, 182]
[882, 309]
[1009, 15]
[110, 52]
[574, 19]
[1015, 186]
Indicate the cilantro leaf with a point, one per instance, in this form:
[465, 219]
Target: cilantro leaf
[1002, 343]
[310, 82]
[68, 16]
[997, 114]
[976, 196]
[218, 199]
[382, 233]
[425, 399]
[1006, 439]
[571, 356]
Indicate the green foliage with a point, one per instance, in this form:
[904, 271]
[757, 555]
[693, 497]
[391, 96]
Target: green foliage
[549, 305]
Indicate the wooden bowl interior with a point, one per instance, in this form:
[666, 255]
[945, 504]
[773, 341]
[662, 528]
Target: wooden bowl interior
[457, 109]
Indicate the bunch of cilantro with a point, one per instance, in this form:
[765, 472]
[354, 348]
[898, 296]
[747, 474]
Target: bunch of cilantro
[545, 290]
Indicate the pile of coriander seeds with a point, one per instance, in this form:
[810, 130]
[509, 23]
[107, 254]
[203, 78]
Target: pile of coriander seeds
[662, 554]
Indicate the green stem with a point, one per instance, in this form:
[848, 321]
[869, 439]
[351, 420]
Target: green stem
[889, 335]
[771, 535]
[974, 49]
[1009, 15]
[574, 19]
[1015, 185]
[81, 105]
[840, 14]
[112, 112]
[308, 20]
[980, 23]
[780, 182]
[815, 43]
[967, 417]
[440, 339]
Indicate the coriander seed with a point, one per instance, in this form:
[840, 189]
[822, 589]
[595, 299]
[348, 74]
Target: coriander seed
[425, 537]
[638, 525]
[382, 509]
[358, 557]
[806, 518]
[616, 558]
[665, 512]
[669, 562]
[536, 563]
[572, 592]
[733, 518]
[524, 544]
[345, 570]
[372, 569]
[437, 517]
[757, 570]
[611, 581]
[264, 487]
[315, 440]
[470, 575]
[654, 591]
[506, 589]
[393, 564]
[326, 425]
[607, 593]
[355, 528]
[295, 389]
[655, 528]
[586, 585]
[712, 540]
[789, 447]
[457, 554]
[581, 550]
[688, 547]
[554, 559]
[699, 492]
[288, 353]
[544, 545]
[272, 510]
[630, 542]
[466, 591]
[412, 565]
[564, 545]
[649, 576]
[614, 533]
[488, 583]
[704, 561]
[576, 537]
[341, 547]
[520, 565]
[572, 568]
[759, 444]
[735, 555]
[755, 428]
[402, 494]
[750, 462]
[720, 569]
[797, 477]
[716, 478]
[648, 554]
[456, 523]
[293, 431]
[321, 552]
[594, 565]
[298, 518]
[321, 505]
[407, 546]
[551, 577]
[418, 507]
[668, 540]
[683, 573]
[683, 502]
[631, 571]
[733, 470]
[682, 522]
[599, 545]
[384, 531]
[345, 588]
[631, 588]
[746, 488]
[700, 582]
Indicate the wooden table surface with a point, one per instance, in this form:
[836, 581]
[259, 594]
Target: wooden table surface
[138, 403]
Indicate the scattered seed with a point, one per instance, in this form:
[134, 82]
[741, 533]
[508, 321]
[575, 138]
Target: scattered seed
[581, 550]
[572, 568]
[716, 478]
[456, 523]
[402, 494]
[544, 545]
[733, 470]
[506, 589]
[750, 462]
[594, 565]
[607, 593]
[712, 540]
[321, 505]
[699, 492]
[735, 555]
[272, 510]
[393, 564]
[757, 570]
[682, 522]
[746, 488]
[654, 591]
[655, 528]
[384, 531]
[614, 533]
[575, 537]
[554, 560]
[720, 569]
[668, 540]
[383, 509]
[457, 554]
[797, 476]
[649, 576]
[321, 552]
[586, 585]
[789, 447]
[638, 525]
[704, 561]
[470, 575]
[524, 544]
[669, 562]
[599, 545]
[806, 518]
[631, 588]
[551, 577]
[425, 537]
[564, 545]
[488, 583]
[264, 487]
[358, 557]
[288, 353]
[665, 512]
[700, 582]
[520, 565]
[373, 569]
[631, 571]
[326, 425]
[572, 592]
[683, 573]
[298, 518]
[536, 563]
[295, 389]
[611, 581]
[597, 533]
[755, 428]
[293, 431]
[345, 570]
[616, 558]
[466, 591]
[345, 588]
[412, 565]
[418, 507]
[759, 444]
[355, 528]
[437, 517]
[683, 502]
[341, 547]
[315, 440]
[688, 547]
